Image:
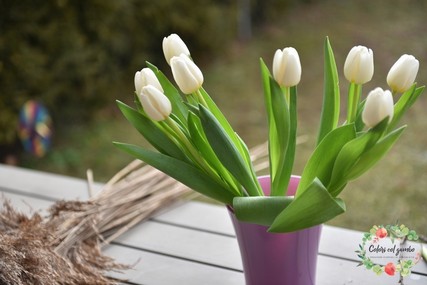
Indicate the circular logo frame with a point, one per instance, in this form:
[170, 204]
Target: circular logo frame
[374, 240]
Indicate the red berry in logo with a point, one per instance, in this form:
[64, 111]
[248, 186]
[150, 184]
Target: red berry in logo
[381, 233]
[390, 269]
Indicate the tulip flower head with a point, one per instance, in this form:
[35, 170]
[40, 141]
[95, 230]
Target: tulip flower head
[359, 65]
[155, 104]
[403, 73]
[186, 73]
[173, 45]
[287, 67]
[379, 105]
[146, 77]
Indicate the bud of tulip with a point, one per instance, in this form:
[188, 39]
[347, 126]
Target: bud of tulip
[287, 67]
[186, 74]
[146, 77]
[173, 45]
[402, 74]
[156, 105]
[379, 105]
[359, 65]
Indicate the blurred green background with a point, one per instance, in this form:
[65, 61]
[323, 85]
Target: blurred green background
[78, 57]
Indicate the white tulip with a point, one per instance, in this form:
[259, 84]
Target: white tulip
[287, 67]
[146, 77]
[173, 45]
[403, 73]
[379, 105]
[155, 104]
[359, 65]
[186, 73]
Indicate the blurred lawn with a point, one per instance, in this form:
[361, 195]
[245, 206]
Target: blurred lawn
[394, 191]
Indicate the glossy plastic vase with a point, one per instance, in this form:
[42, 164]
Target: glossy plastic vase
[277, 258]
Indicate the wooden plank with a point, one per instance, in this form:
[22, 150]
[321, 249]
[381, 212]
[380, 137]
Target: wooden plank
[25, 204]
[155, 269]
[158, 269]
[42, 184]
[335, 241]
[191, 244]
[199, 215]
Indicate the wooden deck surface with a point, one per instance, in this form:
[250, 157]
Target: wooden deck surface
[191, 243]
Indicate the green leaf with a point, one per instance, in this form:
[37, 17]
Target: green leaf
[213, 108]
[404, 103]
[359, 124]
[265, 75]
[290, 151]
[350, 154]
[261, 210]
[331, 95]
[281, 134]
[151, 132]
[200, 141]
[181, 171]
[227, 152]
[322, 160]
[313, 207]
[178, 106]
[374, 154]
[247, 157]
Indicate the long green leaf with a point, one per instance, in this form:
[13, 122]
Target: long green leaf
[181, 171]
[322, 160]
[227, 152]
[213, 108]
[331, 95]
[315, 206]
[404, 103]
[247, 155]
[199, 139]
[374, 154]
[273, 148]
[151, 132]
[281, 119]
[261, 210]
[290, 151]
[350, 154]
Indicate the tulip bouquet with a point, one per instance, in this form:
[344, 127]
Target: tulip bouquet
[195, 144]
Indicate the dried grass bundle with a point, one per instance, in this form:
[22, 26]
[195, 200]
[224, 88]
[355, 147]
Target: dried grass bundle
[65, 247]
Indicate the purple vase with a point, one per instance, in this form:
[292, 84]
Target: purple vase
[277, 258]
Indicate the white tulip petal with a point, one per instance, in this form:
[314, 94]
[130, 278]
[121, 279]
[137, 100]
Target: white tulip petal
[359, 65]
[379, 105]
[155, 104]
[172, 46]
[186, 73]
[287, 67]
[403, 73]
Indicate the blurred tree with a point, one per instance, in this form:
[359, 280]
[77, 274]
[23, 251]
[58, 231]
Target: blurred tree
[76, 56]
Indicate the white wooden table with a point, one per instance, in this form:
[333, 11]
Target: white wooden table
[193, 243]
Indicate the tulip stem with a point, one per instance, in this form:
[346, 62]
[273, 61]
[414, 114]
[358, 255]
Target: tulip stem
[287, 91]
[194, 155]
[200, 98]
[183, 141]
[353, 101]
